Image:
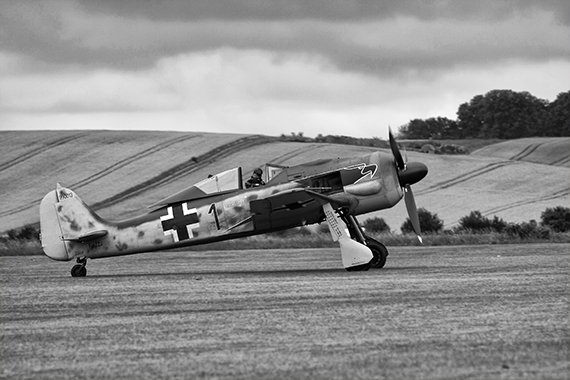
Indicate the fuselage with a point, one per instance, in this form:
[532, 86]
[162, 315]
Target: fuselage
[368, 183]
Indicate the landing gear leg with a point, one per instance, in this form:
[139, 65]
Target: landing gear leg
[378, 249]
[79, 270]
[354, 228]
[357, 235]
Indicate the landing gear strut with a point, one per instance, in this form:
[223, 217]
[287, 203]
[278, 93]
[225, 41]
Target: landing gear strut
[378, 249]
[79, 270]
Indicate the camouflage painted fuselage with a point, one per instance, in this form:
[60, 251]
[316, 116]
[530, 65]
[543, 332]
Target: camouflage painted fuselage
[363, 184]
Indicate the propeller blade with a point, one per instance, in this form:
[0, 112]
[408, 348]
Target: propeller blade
[395, 151]
[412, 211]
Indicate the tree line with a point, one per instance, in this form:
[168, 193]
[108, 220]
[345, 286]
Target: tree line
[556, 219]
[499, 114]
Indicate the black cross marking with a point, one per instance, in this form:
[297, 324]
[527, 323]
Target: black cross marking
[179, 221]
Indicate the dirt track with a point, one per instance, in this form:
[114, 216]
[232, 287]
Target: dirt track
[481, 312]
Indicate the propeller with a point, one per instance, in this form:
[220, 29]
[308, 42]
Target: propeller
[408, 174]
[412, 211]
[396, 152]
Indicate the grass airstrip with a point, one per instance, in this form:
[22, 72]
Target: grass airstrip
[456, 312]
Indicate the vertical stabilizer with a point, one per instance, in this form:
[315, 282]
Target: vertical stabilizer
[76, 220]
[64, 220]
[51, 236]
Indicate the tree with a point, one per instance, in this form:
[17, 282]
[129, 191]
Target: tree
[428, 222]
[557, 122]
[376, 225]
[557, 218]
[469, 117]
[503, 114]
[432, 128]
[476, 222]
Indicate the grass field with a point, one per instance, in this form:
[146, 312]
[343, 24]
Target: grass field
[120, 173]
[540, 150]
[469, 312]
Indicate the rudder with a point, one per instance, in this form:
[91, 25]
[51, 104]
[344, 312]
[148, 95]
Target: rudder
[50, 231]
[65, 218]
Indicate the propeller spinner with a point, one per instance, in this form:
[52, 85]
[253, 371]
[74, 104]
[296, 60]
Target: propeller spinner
[408, 174]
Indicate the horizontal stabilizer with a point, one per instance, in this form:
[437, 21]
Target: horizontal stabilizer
[89, 236]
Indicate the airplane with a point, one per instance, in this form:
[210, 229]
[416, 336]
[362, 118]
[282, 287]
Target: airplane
[218, 208]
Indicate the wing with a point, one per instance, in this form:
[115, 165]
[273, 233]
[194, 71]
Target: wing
[294, 207]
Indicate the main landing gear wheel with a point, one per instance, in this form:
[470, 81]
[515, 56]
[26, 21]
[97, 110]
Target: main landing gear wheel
[379, 251]
[79, 270]
[357, 235]
[359, 268]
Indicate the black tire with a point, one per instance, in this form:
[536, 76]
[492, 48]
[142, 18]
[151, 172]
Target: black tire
[359, 268]
[379, 251]
[78, 271]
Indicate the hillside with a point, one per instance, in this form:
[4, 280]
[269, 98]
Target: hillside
[540, 150]
[120, 173]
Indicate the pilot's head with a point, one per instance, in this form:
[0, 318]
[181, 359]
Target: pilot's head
[258, 172]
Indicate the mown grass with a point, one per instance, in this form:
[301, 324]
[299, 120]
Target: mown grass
[473, 312]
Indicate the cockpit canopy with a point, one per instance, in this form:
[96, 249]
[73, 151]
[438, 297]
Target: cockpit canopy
[228, 180]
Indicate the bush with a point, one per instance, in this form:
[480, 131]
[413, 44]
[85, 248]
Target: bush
[528, 230]
[477, 223]
[453, 149]
[557, 218]
[376, 225]
[428, 222]
[17, 247]
[28, 232]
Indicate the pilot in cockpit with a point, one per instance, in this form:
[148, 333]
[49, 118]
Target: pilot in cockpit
[255, 179]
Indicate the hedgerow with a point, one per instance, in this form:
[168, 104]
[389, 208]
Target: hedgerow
[473, 229]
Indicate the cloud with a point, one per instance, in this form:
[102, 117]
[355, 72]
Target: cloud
[324, 10]
[255, 91]
[378, 38]
[323, 66]
[225, 76]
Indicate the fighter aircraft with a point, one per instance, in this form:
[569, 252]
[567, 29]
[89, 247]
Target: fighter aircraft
[219, 208]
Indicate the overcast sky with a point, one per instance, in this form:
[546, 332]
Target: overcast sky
[269, 66]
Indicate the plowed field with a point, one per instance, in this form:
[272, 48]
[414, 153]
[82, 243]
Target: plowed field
[120, 173]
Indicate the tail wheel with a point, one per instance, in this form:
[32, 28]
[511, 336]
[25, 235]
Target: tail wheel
[379, 251]
[79, 270]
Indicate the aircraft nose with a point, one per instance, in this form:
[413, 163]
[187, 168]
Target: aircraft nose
[415, 172]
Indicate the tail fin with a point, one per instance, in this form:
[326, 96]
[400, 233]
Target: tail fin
[65, 218]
